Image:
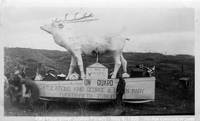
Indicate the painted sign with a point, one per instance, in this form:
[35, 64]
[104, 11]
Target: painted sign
[99, 82]
[136, 88]
[93, 73]
[96, 71]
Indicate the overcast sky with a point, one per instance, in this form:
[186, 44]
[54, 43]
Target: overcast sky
[165, 30]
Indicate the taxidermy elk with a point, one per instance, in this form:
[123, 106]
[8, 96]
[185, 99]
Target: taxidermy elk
[78, 45]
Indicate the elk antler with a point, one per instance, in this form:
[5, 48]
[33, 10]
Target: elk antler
[75, 15]
[81, 19]
[75, 19]
[66, 16]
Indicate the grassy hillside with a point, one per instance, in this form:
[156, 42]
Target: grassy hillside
[31, 57]
[60, 60]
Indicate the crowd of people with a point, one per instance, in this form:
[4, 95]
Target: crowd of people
[13, 85]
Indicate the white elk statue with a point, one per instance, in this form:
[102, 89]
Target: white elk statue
[83, 44]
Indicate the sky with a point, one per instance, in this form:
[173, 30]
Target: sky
[167, 30]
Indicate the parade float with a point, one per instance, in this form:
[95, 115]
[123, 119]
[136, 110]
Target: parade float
[94, 85]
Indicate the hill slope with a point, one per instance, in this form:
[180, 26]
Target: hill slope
[31, 57]
[60, 61]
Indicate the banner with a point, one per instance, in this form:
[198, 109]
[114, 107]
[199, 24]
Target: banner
[136, 88]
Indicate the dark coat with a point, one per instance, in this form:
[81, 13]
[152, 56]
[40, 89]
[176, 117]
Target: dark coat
[31, 86]
[15, 80]
[121, 86]
[41, 70]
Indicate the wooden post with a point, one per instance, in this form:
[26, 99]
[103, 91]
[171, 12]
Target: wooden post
[97, 52]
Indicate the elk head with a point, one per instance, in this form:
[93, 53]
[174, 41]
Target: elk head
[59, 25]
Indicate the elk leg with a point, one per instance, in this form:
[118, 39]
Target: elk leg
[124, 65]
[72, 66]
[80, 62]
[117, 64]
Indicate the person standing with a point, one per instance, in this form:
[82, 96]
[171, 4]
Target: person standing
[40, 73]
[120, 91]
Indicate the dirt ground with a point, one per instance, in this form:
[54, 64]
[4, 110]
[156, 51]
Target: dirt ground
[164, 104]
